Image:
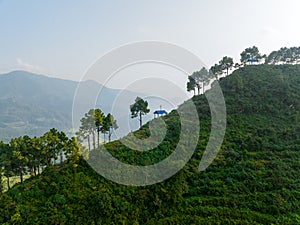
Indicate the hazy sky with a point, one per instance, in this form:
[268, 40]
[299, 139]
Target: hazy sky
[63, 38]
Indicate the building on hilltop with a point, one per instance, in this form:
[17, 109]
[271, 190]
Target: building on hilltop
[160, 112]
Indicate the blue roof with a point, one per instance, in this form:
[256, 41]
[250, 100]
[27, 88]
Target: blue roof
[252, 60]
[160, 112]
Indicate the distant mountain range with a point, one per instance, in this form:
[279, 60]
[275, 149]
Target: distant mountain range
[31, 104]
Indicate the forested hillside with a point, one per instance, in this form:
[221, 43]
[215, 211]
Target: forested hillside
[254, 179]
[31, 104]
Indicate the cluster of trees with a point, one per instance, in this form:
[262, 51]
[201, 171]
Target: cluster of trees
[250, 54]
[95, 122]
[29, 156]
[200, 79]
[203, 77]
[284, 55]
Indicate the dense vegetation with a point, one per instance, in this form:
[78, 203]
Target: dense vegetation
[25, 156]
[254, 179]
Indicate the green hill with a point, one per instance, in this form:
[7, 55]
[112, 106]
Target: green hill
[254, 179]
[31, 104]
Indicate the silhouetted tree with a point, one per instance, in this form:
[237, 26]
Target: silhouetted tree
[139, 108]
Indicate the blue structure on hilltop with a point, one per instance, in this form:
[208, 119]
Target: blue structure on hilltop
[252, 60]
[160, 112]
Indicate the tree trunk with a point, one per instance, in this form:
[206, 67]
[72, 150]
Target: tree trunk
[89, 143]
[94, 141]
[140, 119]
[31, 171]
[8, 183]
[109, 135]
[21, 175]
[1, 185]
[198, 88]
[61, 157]
[48, 161]
[98, 137]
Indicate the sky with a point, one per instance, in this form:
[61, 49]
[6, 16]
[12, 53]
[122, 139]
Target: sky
[63, 38]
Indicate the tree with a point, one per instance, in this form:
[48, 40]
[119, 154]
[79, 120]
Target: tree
[6, 159]
[3, 149]
[51, 146]
[88, 127]
[248, 53]
[111, 124]
[30, 154]
[99, 119]
[84, 132]
[197, 80]
[104, 128]
[62, 145]
[95, 121]
[191, 84]
[91, 125]
[36, 149]
[139, 108]
[216, 71]
[72, 150]
[226, 63]
[201, 76]
[19, 159]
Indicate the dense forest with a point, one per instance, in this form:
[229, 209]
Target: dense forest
[254, 179]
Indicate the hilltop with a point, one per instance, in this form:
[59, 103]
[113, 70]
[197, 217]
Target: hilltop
[253, 180]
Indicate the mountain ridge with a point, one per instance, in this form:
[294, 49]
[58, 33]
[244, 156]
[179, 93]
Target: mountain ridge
[32, 103]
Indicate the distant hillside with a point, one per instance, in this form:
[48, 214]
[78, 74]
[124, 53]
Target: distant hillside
[254, 179]
[31, 104]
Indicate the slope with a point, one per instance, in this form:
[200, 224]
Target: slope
[253, 180]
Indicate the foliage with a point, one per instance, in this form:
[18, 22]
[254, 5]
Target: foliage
[191, 84]
[94, 121]
[198, 79]
[139, 108]
[284, 55]
[216, 70]
[226, 63]
[28, 156]
[253, 180]
[248, 53]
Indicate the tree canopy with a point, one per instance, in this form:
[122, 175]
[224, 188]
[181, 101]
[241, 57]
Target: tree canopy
[25, 156]
[251, 52]
[284, 55]
[226, 63]
[95, 121]
[199, 79]
[139, 108]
